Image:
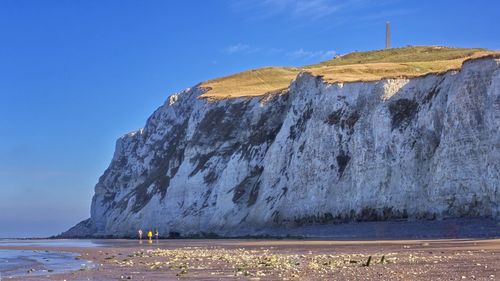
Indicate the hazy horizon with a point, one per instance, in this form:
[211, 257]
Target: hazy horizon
[77, 75]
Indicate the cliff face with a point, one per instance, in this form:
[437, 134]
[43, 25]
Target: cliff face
[317, 153]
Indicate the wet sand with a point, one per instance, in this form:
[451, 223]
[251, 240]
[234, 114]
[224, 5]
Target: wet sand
[283, 260]
[22, 262]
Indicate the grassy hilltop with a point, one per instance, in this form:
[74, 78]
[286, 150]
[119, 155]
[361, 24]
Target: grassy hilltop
[353, 67]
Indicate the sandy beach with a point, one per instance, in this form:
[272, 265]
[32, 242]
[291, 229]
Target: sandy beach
[280, 260]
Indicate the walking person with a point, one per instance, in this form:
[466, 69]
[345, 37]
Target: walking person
[157, 235]
[150, 235]
[140, 234]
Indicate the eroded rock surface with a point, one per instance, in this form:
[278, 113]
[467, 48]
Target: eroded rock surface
[420, 148]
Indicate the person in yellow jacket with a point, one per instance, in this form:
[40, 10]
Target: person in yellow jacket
[150, 235]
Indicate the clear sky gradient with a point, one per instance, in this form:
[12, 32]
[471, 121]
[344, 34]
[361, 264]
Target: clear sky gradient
[76, 75]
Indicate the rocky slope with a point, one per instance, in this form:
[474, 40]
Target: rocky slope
[426, 147]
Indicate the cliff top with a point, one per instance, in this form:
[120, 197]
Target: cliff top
[353, 67]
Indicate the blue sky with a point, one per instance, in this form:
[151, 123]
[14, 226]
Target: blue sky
[75, 75]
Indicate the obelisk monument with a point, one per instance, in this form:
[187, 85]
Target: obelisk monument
[387, 35]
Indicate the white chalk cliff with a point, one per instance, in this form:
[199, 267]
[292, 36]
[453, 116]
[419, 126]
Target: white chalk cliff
[421, 148]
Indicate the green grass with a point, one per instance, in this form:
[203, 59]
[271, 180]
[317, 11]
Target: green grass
[401, 55]
[358, 66]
